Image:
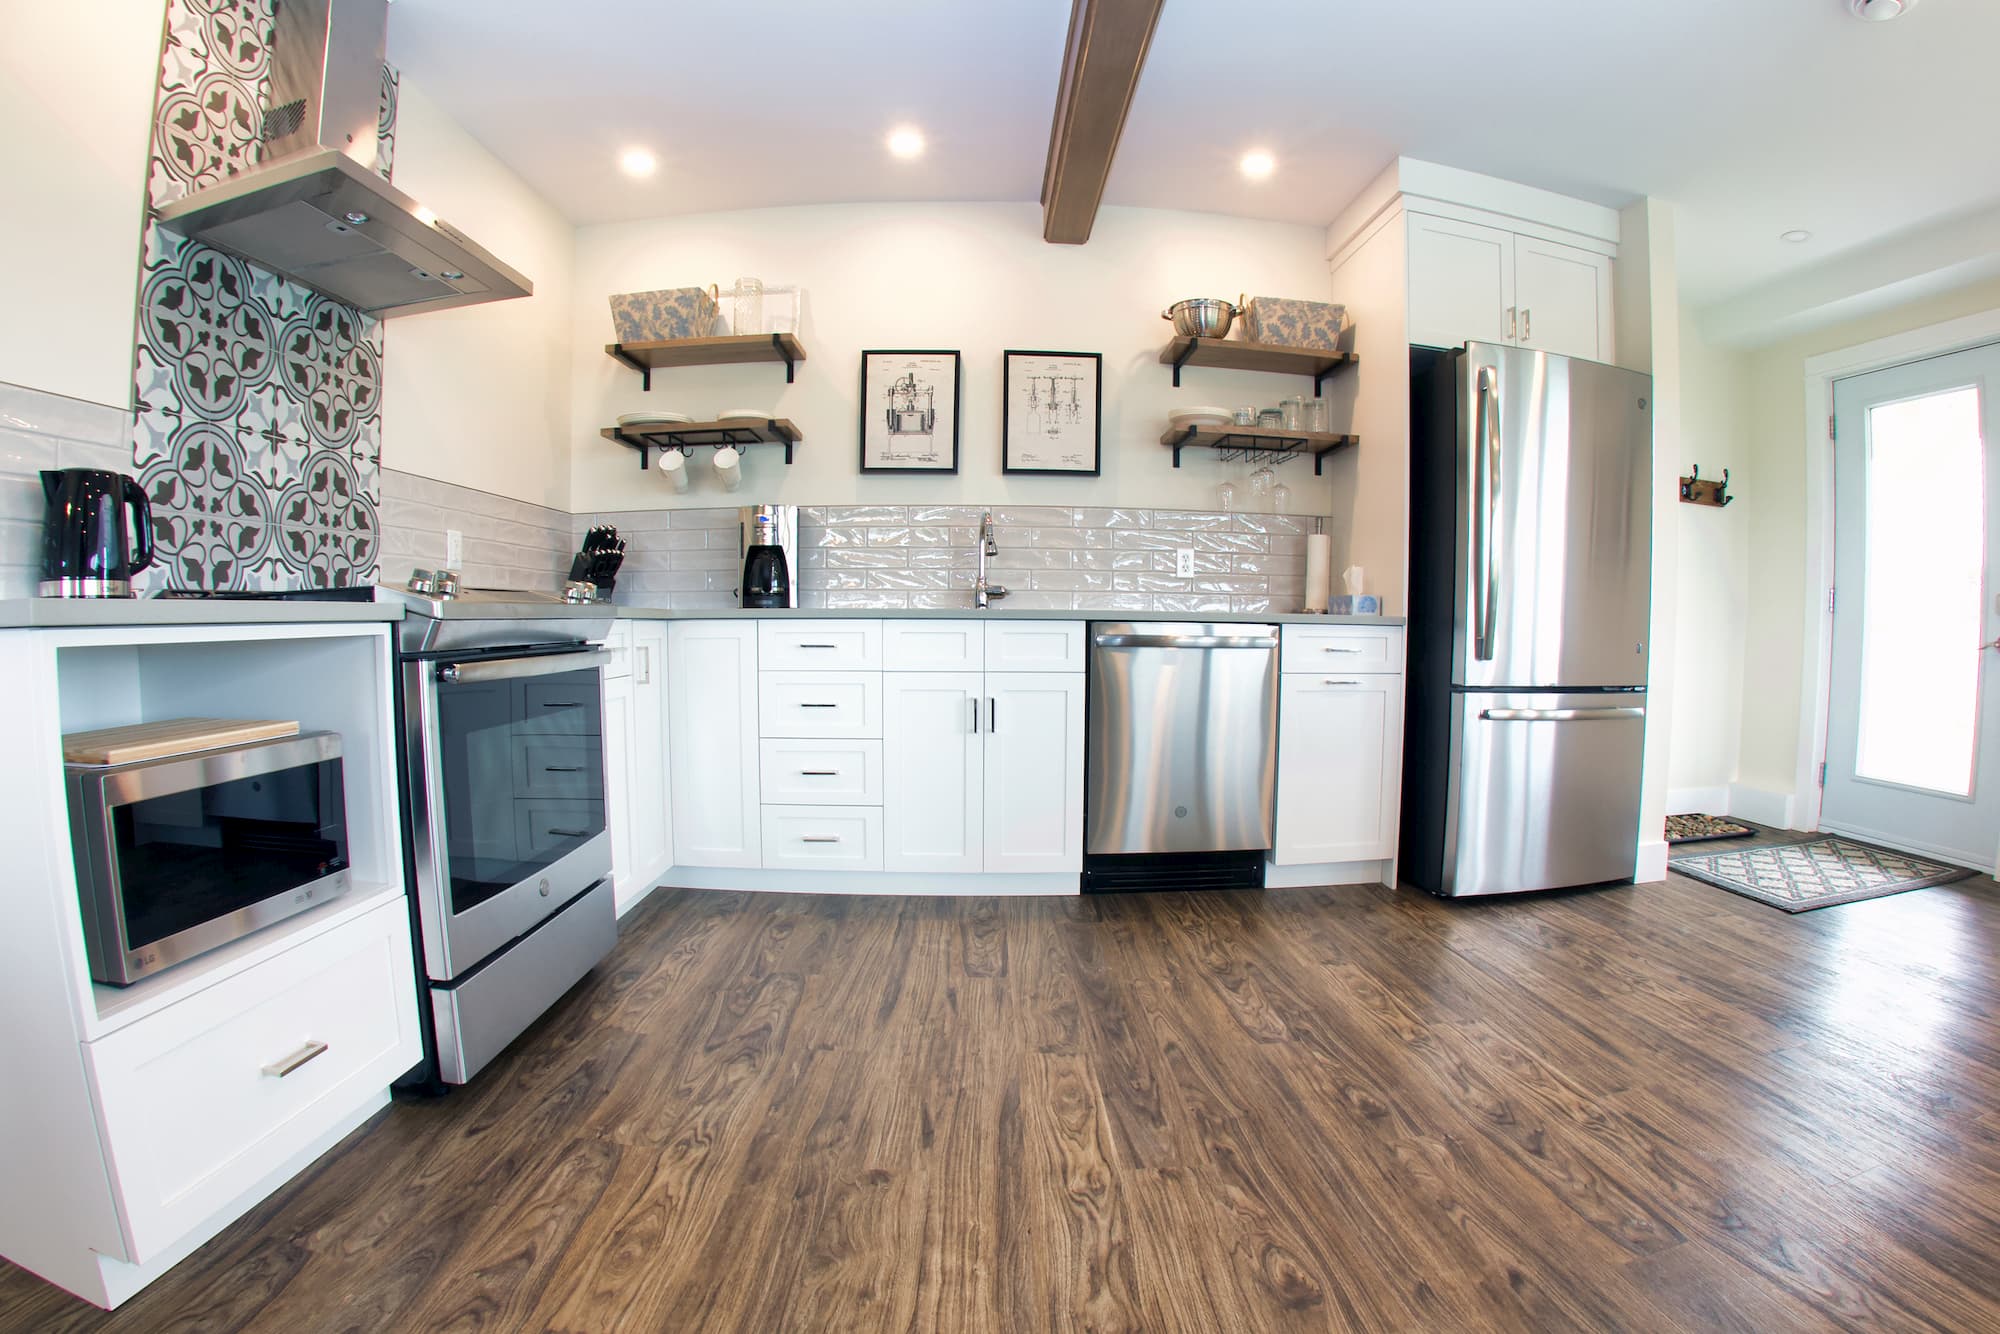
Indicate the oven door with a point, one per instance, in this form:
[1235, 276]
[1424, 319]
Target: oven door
[506, 796]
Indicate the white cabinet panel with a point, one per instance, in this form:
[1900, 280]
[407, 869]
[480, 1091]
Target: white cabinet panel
[1034, 770]
[1564, 299]
[200, 1101]
[1339, 767]
[842, 645]
[712, 717]
[617, 783]
[822, 773]
[824, 838]
[651, 820]
[820, 704]
[1034, 646]
[934, 646]
[933, 730]
[1461, 278]
[1340, 648]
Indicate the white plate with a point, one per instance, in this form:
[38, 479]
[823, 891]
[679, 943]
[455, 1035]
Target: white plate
[1201, 417]
[746, 414]
[655, 419]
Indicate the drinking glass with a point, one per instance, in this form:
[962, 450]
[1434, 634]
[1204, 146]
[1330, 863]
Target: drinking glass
[1227, 495]
[749, 295]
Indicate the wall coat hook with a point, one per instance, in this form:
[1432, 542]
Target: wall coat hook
[1694, 491]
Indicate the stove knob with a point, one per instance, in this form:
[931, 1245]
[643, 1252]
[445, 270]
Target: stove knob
[423, 582]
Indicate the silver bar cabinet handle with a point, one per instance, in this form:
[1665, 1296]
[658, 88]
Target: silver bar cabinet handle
[311, 1051]
[1486, 461]
[819, 838]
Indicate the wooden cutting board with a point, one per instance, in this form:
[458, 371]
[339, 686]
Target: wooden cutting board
[174, 736]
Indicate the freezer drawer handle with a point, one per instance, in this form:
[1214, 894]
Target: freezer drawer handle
[1558, 715]
[311, 1051]
[1184, 641]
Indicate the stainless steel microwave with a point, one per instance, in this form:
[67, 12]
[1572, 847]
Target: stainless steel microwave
[177, 856]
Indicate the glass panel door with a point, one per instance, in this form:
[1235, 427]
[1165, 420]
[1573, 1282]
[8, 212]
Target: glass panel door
[1913, 750]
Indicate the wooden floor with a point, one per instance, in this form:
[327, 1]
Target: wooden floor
[1650, 1109]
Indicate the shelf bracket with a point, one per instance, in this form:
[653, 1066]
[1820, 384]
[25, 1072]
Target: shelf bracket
[1318, 460]
[778, 344]
[1319, 382]
[1182, 442]
[645, 371]
[1179, 362]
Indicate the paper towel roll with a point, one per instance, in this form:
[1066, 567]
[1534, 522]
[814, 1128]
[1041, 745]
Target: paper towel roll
[1319, 571]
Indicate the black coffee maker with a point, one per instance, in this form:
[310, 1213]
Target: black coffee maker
[767, 575]
[88, 548]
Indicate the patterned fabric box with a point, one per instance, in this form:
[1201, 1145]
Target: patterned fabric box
[671, 312]
[1273, 319]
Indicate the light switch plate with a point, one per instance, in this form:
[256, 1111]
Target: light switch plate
[454, 549]
[1184, 562]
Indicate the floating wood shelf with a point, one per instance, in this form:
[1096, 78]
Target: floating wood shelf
[740, 432]
[729, 350]
[1221, 354]
[1240, 440]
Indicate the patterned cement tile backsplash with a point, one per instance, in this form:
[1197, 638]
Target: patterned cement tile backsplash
[258, 432]
[1051, 557]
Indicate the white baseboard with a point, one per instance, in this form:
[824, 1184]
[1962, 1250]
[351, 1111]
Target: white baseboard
[1329, 873]
[1762, 805]
[1698, 800]
[1651, 867]
[916, 884]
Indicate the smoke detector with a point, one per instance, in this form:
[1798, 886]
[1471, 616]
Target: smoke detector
[1880, 11]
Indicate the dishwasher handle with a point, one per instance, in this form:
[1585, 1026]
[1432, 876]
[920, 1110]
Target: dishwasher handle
[1184, 641]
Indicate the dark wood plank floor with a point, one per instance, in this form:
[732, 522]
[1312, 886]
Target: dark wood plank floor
[1655, 1108]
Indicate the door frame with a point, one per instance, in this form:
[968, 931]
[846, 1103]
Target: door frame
[1816, 684]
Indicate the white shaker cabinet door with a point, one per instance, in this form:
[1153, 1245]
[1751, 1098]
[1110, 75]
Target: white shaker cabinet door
[1339, 767]
[1461, 282]
[1564, 299]
[933, 727]
[712, 717]
[1034, 771]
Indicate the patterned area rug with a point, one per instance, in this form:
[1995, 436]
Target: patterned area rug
[1701, 828]
[1815, 874]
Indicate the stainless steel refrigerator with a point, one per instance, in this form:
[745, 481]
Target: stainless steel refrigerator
[1529, 609]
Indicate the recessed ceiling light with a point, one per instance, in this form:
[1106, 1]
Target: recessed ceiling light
[1880, 11]
[906, 143]
[638, 162]
[1257, 164]
[1795, 235]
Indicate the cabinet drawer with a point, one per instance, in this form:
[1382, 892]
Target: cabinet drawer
[1341, 648]
[830, 838]
[544, 824]
[558, 766]
[196, 1103]
[1034, 646]
[934, 646]
[559, 708]
[786, 645]
[822, 773]
[820, 704]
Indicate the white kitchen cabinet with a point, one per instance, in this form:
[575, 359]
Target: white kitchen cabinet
[821, 773]
[635, 763]
[934, 646]
[823, 838]
[1471, 282]
[712, 717]
[1034, 771]
[934, 771]
[820, 704]
[1340, 739]
[1034, 646]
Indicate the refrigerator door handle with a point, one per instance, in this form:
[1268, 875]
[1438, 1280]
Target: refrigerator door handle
[1557, 715]
[1486, 476]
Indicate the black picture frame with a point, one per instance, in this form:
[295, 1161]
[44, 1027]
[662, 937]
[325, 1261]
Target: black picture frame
[1025, 455]
[883, 371]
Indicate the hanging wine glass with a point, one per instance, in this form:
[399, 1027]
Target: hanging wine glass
[1227, 495]
[1281, 499]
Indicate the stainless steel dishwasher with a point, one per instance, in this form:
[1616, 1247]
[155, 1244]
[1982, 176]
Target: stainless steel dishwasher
[1181, 761]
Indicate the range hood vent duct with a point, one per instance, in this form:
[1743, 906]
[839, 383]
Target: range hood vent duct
[314, 209]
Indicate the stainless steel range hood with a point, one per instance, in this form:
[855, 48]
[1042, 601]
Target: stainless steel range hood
[313, 208]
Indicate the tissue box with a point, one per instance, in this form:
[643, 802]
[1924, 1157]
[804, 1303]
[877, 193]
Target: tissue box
[671, 312]
[1354, 604]
[1273, 319]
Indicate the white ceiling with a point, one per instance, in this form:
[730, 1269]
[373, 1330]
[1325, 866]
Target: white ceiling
[1752, 116]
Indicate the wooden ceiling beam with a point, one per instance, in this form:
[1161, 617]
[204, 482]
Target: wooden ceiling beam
[1100, 72]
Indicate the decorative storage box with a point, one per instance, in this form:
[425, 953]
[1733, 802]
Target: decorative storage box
[671, 312]
[1274, 319]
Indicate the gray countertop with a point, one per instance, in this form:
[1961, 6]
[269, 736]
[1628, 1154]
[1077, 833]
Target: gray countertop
[57, 613]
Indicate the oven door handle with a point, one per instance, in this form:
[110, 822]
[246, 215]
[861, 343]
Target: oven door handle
[510, 669]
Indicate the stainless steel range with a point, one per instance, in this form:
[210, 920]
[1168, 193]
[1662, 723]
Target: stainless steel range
[501, 709]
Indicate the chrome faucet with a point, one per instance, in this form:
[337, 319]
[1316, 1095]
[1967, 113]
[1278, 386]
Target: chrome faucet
[983, 593]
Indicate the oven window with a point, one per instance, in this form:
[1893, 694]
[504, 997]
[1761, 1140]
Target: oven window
[523, 772]
[195, 856]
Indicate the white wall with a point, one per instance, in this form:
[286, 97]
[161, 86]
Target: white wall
[975, 277]
[76, 93]
[1711, 618]
[480, 396]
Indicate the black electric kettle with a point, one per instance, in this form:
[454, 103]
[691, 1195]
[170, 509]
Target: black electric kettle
[88, 550]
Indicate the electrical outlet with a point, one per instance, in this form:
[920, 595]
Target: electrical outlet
[1184, 562]
[454, 549]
